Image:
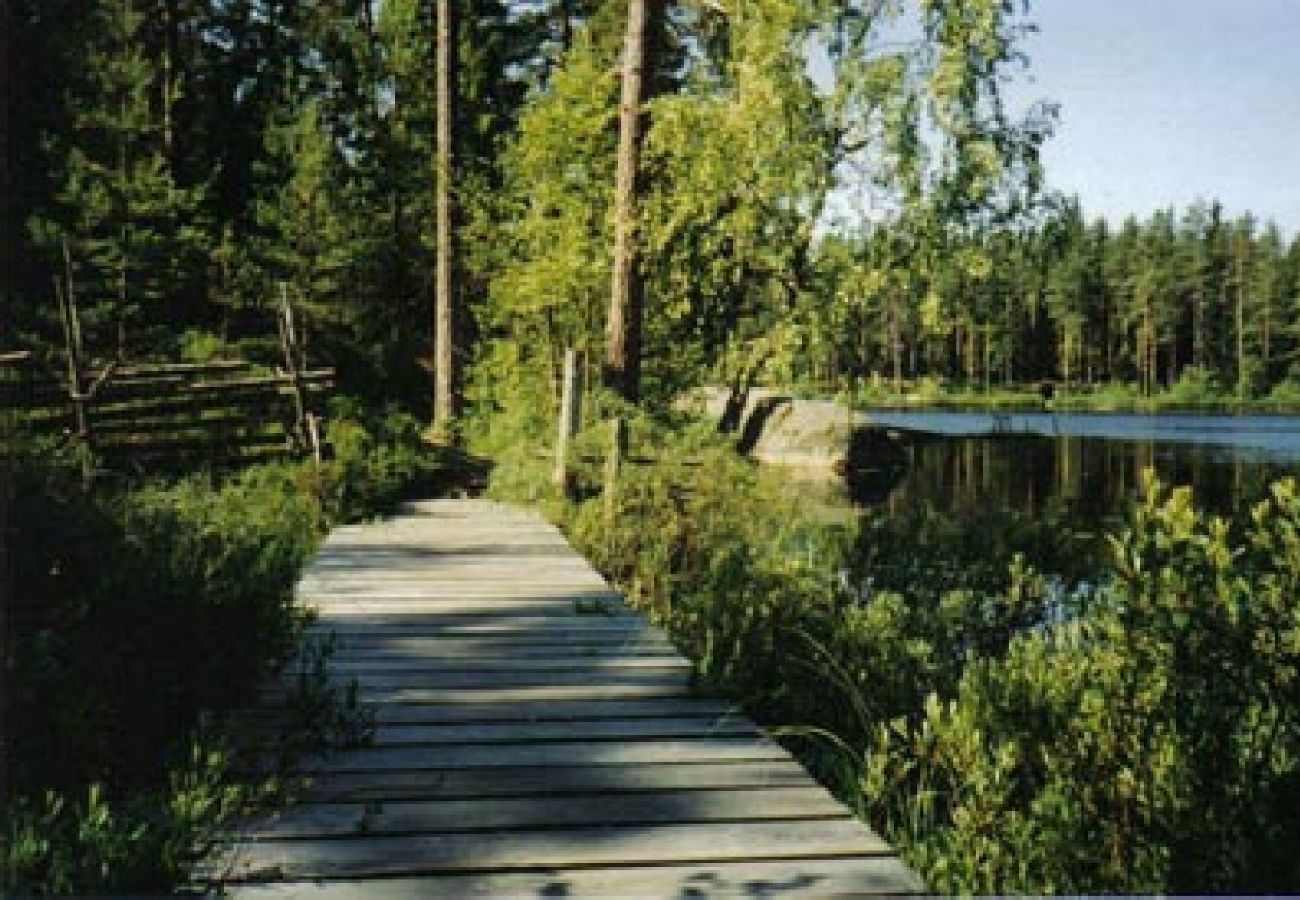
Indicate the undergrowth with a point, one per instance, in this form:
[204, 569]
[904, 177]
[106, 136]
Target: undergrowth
[144, 616]
[1019, 707]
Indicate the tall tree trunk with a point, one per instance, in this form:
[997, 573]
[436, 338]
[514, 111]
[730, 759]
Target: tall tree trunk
[1266, 337]
[1198, 326]
[626, 300]
[124, 208]
[896, 342]
[9, 78]
[10, 229]
[566, 26]
[446, 398]
[1240, 323]
[170, 65]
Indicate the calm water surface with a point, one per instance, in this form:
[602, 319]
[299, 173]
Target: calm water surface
[1088, 463]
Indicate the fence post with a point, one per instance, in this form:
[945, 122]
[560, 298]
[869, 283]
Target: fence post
[613, 463]
[294, 359]
[66, 295]
[570, 416]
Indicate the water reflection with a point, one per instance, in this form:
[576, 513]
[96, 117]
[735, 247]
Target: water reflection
[1092, 477]
[1272, 438]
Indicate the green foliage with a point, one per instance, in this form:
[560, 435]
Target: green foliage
[742, 151]
[144, 616]
[1147, 745]
[373, 467]
[144, 845]
[1196, 385]
[1126, 723]
[133, 227]
[1178, 312]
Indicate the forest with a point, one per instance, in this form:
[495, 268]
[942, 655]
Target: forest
[450, 196]
[1184, 296]
[195, 159]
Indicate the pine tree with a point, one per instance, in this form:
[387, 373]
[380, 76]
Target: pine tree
[446, 399]
[627, 288]
[135, 235]
[303, 248]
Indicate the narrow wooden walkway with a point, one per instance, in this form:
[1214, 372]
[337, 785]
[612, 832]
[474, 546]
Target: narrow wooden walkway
[535, 737]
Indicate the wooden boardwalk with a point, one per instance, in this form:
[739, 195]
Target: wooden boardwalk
[535, 737]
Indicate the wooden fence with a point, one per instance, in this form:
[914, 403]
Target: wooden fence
[158, 415]
[150, 415]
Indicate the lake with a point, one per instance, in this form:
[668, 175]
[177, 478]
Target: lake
[1086, 462]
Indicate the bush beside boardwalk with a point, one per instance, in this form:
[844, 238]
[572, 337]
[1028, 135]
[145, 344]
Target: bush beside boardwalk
[1016, 706]
[144, 616]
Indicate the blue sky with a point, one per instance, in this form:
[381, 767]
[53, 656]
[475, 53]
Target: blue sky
[1165, 101]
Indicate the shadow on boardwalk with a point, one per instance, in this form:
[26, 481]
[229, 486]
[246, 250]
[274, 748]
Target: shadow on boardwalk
[534, 737]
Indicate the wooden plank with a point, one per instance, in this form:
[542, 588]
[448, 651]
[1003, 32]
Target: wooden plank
[226, 387]
[677, 677]
[560, 753]
[507, 611]
[611, 845]
[509, 695]
[153, 443]
[792, 879]
[574, 590]
[452, 601]
[470, 626]
[364, 667]
[160, 369]
[457, 579]
[316, 820]
[517, 734]
[405, 532]
[574, 646]
[551, 781]
[514, 732]
[543, 693]
[521, 652]
[478, 555]
[554, 711]
[462, 620]
[144, 409]
[428, 559]
[598, 730]
[233, 422]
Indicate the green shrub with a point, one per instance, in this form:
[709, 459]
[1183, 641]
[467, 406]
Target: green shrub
[142, 613]
[1150, 745]
[1128, 721]
[1196, 386]
[372, 468]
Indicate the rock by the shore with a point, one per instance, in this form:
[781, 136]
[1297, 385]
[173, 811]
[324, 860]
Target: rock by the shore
[817, 437]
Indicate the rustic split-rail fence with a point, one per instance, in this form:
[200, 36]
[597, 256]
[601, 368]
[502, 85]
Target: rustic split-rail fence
[125, 415]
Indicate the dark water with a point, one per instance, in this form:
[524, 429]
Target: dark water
[1089, 464]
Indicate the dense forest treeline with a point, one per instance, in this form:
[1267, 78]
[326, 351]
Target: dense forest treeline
[1077, 302]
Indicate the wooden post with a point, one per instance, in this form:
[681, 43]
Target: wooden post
[613, 463]
[308, 432]
[570, 415]
[67, 298]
